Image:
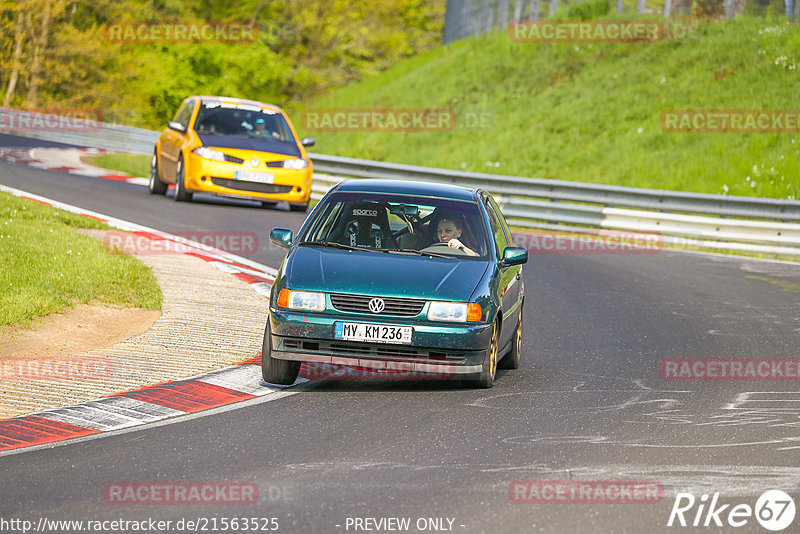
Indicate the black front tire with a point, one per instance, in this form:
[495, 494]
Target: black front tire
[155, 185]
[274, 371]
[485, 379]
[181, 194]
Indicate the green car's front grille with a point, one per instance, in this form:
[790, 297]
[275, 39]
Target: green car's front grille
[338, 348]
[392, 306]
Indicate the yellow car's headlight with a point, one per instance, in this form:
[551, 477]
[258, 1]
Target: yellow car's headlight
[297, 163]
[209, 153]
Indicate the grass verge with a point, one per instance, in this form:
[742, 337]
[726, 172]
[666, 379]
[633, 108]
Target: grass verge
[46, 266]
[591, 112]
[134, 164]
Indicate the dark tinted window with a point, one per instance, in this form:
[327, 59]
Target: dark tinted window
[393, 222]
[185, 113]
[216, 118]
[495, 220]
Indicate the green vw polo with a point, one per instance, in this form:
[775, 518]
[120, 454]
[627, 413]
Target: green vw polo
[391, 275]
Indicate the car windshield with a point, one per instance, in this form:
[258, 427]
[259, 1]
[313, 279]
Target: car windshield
[218, 118]
[421, 226]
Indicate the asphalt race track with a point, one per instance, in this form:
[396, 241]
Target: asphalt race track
[587, 403]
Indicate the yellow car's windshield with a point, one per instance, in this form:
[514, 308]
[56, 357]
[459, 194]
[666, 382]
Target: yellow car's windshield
[218, 118]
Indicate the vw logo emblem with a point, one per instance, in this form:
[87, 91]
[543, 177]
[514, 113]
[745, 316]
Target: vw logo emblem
[254, 162]
[376, 305]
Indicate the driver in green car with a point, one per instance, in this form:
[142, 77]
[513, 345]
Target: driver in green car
[449, 231]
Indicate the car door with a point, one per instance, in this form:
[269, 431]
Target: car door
[172, 140]
[510, 278]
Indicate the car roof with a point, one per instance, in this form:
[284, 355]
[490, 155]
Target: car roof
[403, 187]
[263, 105]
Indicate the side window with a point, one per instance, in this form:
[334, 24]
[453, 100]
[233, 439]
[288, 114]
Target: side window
[495, 220]
[282, 128]
[503, 222]
[185, 113]
[327, 221]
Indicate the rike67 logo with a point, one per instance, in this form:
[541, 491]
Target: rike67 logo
[774, 510]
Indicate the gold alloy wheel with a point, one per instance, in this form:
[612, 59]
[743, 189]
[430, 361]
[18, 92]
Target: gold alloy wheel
[493, 353]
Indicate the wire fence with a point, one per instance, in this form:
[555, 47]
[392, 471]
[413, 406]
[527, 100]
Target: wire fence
[466, 18]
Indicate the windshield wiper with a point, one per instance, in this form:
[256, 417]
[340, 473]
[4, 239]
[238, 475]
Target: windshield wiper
[331, 244]
[413, 251]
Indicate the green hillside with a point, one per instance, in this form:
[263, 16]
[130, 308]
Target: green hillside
[591, 112]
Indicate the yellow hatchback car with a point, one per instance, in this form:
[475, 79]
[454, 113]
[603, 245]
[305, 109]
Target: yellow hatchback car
[234, 148]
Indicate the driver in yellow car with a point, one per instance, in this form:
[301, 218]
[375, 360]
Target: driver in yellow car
[261, 130]
[448, 231]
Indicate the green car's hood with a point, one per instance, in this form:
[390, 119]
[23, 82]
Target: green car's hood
[384, 274]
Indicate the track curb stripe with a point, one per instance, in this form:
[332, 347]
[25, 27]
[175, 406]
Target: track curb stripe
[23, 156]
[35, 430]
[188, 396]
[161, 401]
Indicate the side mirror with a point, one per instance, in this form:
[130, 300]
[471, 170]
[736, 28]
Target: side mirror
[308, 141]
[281, 237]
[173, 125]
[514, 256]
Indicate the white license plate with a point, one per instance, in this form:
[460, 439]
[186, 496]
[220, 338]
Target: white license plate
[374, 333]
[250, 176]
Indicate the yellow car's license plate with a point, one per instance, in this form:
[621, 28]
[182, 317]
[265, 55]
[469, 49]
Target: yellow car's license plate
[250, 176]
[373, 333]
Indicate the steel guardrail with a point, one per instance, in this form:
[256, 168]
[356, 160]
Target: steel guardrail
[721, 221]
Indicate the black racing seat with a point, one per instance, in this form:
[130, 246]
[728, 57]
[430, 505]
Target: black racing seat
[364, 225]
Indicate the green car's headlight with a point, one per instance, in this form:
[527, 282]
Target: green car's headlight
[301, 300]
[209, 153]
[459, 312]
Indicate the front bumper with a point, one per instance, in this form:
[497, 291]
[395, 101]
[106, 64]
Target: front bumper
[447, 349]
[209, 176]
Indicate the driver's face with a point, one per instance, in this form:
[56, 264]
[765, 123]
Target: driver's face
[447, 230]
